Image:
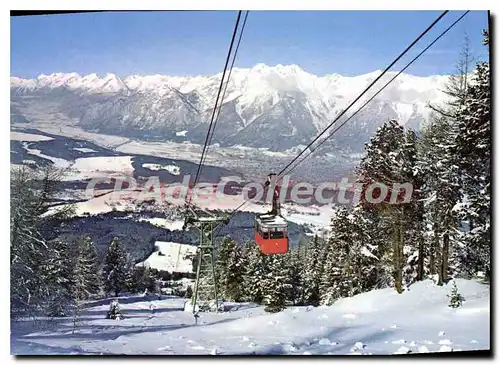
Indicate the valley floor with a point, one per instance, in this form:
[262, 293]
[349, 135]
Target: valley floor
[378, 322]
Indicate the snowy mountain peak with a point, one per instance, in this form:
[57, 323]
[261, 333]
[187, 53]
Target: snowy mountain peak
[73, 81]
[260, 67]
[277, 107]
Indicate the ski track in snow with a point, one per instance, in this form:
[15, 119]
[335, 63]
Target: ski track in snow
[423, 323]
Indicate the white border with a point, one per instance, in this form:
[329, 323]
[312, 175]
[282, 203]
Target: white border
[185, 5]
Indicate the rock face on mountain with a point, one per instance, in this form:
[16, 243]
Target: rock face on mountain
[276, 107]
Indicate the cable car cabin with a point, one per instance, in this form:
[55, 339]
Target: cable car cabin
[271, 234]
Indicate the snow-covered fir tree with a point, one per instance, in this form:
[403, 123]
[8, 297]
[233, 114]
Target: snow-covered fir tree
[233, 278]
[84, 276]
[312, 273]
[364, 254]
[114, 311]
[294, 264]
[275, 284]
[116, 271]
[332, 276]
[255, 269]
[414, 249]
[350, 266]
[222, 254]
[456, 298]
[388, 162]
[473, 146]
[59, 269]
[441, 192]
[143, 280]
[32, 284]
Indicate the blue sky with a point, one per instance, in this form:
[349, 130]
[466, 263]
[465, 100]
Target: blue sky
[196, 43]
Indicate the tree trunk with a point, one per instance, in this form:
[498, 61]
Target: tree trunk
[398, 275]
[420, 266]
[444, 258]
[433, 250]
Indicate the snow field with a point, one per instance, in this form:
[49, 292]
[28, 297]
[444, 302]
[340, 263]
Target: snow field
[84, 149]
[164, 223]
[99, 167]
[171, 257]
[173, 169]
[20, 136]
[377, 322]
[58, 162]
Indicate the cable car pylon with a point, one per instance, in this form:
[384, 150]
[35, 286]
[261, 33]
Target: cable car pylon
[205, 294]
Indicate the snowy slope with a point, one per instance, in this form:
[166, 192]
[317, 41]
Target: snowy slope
[99, 167]
[171, 257]
[378, 322]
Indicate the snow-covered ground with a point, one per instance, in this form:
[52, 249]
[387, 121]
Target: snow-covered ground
[173, 169]
[84, 149]
[103, 202]
[58, 162]
[28, 137]
[378, 322]
[172, 225]
[317, 218]
[171, 257]
[63, 126]
[228, 157]
[98, 167]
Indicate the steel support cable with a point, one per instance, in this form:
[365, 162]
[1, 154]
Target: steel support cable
[227, 83]
[385, 71]
[224, 94]
[379, 91]
[198, 171]
[212, 119]
[365, 90]
[219, 226]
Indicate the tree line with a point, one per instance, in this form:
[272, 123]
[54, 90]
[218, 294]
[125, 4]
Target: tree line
[55, 277]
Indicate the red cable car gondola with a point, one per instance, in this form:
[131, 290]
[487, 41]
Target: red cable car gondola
[271, 228]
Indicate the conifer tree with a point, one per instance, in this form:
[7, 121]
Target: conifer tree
[59, 269]
[32, 284]
[456, 298]
[293, 268]
[441, 193]
[143, 279]
[311, 271]
[116, 270]
[234, 272]
[275, 284]
[85, 274]
[349, 264]
[226, 247]
[387, 162]
[473, 147]
[255, 270]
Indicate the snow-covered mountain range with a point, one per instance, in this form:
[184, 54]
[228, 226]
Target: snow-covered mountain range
[276, 107]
